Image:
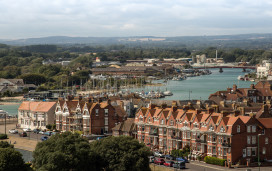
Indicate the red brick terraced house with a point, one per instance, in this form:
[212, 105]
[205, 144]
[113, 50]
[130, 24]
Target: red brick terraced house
[225, 136]
[90, 117]
[259, 93]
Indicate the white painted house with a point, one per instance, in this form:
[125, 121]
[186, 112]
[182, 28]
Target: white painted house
[36, 114]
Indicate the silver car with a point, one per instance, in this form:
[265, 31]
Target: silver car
[13, 131]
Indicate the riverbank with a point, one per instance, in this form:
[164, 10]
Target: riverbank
[12, 99]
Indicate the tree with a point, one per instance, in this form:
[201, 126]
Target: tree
[11, 159]
[122, 153]
[65, 151]
[5, 144]
[36, 79]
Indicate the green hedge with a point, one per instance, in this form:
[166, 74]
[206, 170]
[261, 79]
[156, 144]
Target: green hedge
[3, 136]
[215, 161]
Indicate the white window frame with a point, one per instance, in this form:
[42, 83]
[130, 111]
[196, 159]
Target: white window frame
[248, 139]
[162, 122]
[106, 121]
[248, 128]
[266, 140]
[253, 128]
[238, 128]
[96, 112]
[264, 150]
[248, 151]
[253, 140]
[106, 112]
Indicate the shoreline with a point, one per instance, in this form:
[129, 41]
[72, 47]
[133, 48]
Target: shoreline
[9, 103]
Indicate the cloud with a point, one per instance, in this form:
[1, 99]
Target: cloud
[35, 18]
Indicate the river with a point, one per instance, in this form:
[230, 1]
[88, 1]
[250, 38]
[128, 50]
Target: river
[200, 87]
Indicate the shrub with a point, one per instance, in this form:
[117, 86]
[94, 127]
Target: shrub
[215, 161]
[5, 144]
[3, 136]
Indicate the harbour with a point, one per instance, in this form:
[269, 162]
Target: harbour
[199, 87]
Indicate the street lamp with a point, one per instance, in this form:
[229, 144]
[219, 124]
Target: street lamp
[259, 163]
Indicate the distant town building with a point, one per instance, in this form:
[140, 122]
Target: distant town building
[126, 70]
[259, 93]
[14, 85]
[36, 114]
[264, 70]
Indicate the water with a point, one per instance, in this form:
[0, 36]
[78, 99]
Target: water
[201, 87]
[12, 109]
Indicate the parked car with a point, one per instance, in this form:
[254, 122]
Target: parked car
[36, 131]
[158, 154]
[23, 134]
[27, 130]
[54, 133]
[44, 138]
[179, 165]
[42, 132]
[48, 133]
[168, 163]
[159, 161]
[151, 159]
[169, 157]
[13, 131]
[182, 159]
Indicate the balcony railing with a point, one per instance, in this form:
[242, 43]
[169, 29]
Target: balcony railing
[201, 141]
[176, 137]
[226, 144]
[155, 133]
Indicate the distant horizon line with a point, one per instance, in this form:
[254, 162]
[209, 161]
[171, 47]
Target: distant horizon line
[146, 36]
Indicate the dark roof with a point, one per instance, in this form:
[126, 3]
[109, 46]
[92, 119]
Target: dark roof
[266, 122]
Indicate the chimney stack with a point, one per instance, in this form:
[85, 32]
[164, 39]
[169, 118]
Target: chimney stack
[234, 88]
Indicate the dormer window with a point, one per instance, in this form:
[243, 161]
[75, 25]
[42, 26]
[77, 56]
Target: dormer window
[149, 119]
[222, 129]
[96, 112]
[185, 124]
[171, 122]
[141, 118]
[195, 125]
[211, 128]
[162, 122]
[238, 128]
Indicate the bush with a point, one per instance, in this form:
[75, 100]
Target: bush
[215, 161]
[3, 136]
[5, 144]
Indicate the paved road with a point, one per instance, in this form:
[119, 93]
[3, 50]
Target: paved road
[199, 166]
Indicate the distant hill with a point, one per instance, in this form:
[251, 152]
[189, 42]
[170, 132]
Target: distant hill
[257, 41]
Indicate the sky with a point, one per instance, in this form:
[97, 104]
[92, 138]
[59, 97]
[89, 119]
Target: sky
[121, 18]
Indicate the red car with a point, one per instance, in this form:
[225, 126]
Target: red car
[159, 161]
[168, 163]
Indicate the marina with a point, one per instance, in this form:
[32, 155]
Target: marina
[199, 87]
